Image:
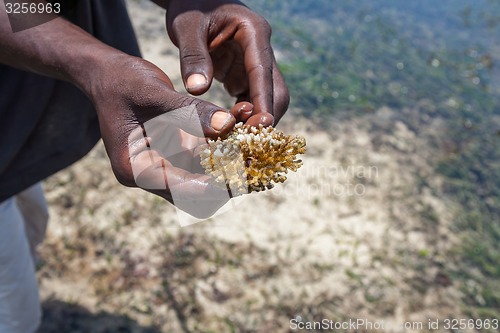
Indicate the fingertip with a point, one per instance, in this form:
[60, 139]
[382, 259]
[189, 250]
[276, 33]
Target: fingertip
[242, 111]
[264, 119]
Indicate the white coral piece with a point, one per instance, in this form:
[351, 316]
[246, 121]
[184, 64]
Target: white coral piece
[252, 158]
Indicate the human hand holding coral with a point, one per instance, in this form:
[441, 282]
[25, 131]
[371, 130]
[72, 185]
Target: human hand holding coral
[151, 133]
[162, 130]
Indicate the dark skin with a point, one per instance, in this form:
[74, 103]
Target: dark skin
[219, 39]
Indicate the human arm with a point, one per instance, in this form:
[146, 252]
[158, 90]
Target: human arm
[125, 91]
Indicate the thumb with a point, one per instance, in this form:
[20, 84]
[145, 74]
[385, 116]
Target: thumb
[190, 114]
[202, 120]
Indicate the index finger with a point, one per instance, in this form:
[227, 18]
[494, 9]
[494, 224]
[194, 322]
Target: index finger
[254, 39]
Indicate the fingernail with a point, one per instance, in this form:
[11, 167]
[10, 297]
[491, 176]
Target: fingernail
[266, 119]
[219, 120]
[247, 108]
[195, 80]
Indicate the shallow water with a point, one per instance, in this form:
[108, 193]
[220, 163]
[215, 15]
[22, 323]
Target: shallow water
[429, 61]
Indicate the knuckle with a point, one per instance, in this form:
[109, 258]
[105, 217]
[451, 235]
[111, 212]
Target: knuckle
[257, 23]
[124, 177]
[183, 20]
[193, 55]
[282, 98]
[181, 101]
[263, 25]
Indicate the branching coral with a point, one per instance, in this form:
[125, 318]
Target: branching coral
[252, 159]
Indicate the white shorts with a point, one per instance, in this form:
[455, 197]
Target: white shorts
[23, 221]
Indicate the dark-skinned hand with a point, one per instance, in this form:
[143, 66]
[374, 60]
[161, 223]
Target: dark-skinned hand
[127, 102]
[225, 40]
[217, 38]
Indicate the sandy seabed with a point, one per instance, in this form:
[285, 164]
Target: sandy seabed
[342, 239]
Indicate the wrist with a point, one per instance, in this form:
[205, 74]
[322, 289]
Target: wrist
[89, 67]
